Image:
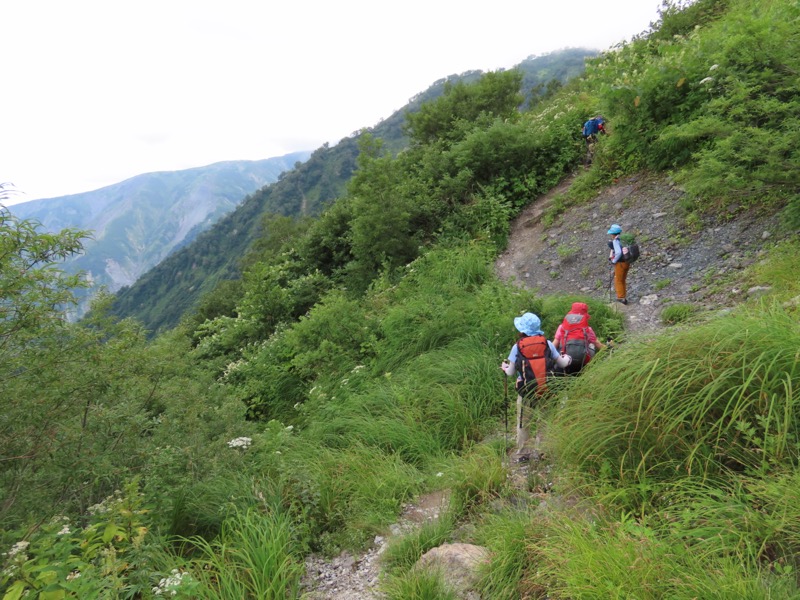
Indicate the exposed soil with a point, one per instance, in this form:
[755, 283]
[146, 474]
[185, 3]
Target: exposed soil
[570, 257]
[678, 264]
[349, 577]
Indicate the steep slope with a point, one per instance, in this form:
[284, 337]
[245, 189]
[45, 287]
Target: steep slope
[678, 265]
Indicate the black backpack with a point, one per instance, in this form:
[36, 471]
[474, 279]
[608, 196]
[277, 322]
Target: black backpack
[630, 249]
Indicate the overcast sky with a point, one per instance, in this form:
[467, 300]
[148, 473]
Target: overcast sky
[97, 91]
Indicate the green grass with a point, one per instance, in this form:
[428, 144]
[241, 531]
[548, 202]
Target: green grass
[402, 553]
[419, 585]
[255, 556]
[598, 558]
[678, 313]
[662, 283]
[778, 271]
[679, 403]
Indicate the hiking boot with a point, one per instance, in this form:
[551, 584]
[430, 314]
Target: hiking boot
[622, 300]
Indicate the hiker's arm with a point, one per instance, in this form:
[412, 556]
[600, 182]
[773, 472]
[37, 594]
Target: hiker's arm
[557, 337]
[617, 250]
[593, 340]
[508, 366]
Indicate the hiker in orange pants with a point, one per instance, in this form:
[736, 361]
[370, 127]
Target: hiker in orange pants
[617, 258]
[620, 275]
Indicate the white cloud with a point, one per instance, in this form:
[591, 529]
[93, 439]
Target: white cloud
[97, 91]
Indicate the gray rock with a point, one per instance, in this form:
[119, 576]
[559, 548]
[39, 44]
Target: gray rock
[758, 291]
[458, 564]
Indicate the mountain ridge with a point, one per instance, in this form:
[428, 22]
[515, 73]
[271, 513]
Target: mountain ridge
[138, 222]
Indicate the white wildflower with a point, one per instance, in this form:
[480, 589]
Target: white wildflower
[231, 367]
[706, 80]
[290, 427]
[73, 575]
[439, 474]
[713, 67]
[240, 442]
[17, 548]
[168, 584]
[65, 530]
[98, 509]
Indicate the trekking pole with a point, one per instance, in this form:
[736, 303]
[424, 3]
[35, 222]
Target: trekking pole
[610, 282]
[505, 413]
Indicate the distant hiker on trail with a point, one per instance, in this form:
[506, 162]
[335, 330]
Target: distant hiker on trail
[617, 258]
[576, 339]
[531, 359]
[592, 127]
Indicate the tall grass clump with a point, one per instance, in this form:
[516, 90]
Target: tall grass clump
[403, 552]
[695, 433]
[255, 556]
[705, 401]
[509, 536]
[422, 584]
[778, 271]
[345, 496]
[599, 558]
[678, 313]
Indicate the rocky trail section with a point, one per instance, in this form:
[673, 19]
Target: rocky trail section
[349, 577]
[678, 263]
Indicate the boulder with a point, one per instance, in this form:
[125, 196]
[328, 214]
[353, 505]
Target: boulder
[458, 564]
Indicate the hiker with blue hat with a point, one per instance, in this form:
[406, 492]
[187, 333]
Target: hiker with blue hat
[617, 258]
[531, 359]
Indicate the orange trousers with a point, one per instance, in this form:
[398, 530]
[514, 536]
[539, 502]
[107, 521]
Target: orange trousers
[620, 275]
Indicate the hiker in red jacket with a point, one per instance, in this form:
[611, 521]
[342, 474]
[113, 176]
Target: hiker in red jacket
[576, 339]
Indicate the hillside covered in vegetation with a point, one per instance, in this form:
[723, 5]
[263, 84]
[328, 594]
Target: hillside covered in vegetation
[354, 365]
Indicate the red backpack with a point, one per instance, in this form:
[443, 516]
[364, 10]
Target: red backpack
[576, 338]
[532, 364]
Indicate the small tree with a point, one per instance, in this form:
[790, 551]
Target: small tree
[33, 292]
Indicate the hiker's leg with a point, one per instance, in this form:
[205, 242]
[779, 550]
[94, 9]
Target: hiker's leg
[522, 425]
[620, 276]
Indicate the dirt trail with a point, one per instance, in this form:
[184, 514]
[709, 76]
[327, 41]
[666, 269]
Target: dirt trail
[677, 264]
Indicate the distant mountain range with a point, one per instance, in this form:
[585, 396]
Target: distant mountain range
[135, 224]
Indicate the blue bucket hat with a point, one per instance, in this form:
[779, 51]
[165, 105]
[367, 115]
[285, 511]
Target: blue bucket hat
[529, 324]
[614, 229]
